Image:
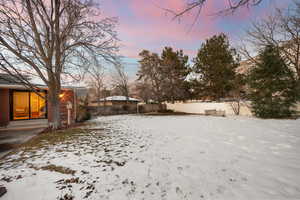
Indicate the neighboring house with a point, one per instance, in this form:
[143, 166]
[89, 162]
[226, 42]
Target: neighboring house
[113, 105]
[245, 66]
[20, 105]
[115, 101]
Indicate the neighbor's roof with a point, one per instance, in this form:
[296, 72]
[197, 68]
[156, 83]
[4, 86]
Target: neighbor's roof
[119, 98]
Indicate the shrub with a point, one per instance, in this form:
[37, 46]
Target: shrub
[83, 114]
[166, 111]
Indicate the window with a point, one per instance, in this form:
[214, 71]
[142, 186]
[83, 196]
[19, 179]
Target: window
[28, 105]
[20, 105]
[37, 105]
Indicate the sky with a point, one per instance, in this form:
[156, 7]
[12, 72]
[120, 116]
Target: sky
[145, 24]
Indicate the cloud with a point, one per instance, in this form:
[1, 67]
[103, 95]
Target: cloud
[148, 26]
[145, 24]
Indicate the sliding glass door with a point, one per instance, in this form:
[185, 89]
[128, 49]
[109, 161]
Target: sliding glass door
[28, 105]
[37, 105]
[20, 105]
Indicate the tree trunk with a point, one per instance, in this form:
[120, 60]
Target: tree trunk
[98, 99]
[54, 110]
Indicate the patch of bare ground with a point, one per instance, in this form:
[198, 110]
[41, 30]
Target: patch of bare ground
[169, 113]
[66, 197]
[55, 168]
[45, 140]
[50, 138]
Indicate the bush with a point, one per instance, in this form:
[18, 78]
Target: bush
[87, 116]
[166, 111]
[83, 114]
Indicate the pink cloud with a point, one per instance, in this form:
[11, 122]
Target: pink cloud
[151, 26]
[162, 34]
[146, 8]
[144, 24]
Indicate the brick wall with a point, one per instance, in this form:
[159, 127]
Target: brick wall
[4, 107]
[66, 96]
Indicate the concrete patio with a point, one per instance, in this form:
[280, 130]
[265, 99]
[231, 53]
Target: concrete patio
[10, 138]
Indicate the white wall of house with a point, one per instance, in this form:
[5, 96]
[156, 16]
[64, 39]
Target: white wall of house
[200, 107]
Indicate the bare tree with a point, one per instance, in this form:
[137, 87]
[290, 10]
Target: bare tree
[238, 93]
[121, 80]
[282, 29]
[95, 79]
[143, 90]
[232, 6]
[150, 73]
[49, 39]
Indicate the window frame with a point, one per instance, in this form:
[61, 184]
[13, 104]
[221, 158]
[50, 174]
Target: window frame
[11, 102]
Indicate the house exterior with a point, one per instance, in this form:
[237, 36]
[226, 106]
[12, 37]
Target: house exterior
[20, 105]
[115, 101]
[113, 105]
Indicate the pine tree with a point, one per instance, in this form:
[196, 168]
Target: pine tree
[215, 65]
[165, 75]
[273, 86]
[174, 65]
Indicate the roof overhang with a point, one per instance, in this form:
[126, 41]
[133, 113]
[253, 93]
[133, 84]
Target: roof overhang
[21, 87]
[43, 87]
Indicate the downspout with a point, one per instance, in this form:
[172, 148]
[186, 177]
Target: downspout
[75, 104]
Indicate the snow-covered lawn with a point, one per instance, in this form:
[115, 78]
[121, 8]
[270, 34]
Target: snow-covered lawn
[162, 157]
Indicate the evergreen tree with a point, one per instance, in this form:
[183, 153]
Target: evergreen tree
[175, 69]
[215, 67]
[273, 85]
[165, 75]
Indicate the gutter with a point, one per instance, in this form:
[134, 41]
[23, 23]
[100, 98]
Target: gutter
[9, 86]
[75, 104]
[19, 86]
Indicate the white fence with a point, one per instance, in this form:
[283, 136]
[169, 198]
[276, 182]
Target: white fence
[200, 107]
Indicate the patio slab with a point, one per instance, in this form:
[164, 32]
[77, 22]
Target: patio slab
[11, 138]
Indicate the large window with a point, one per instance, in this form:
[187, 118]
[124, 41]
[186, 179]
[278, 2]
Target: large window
[20, 105]
[28, 105]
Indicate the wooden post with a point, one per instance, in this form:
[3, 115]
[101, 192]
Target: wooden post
[69, 108]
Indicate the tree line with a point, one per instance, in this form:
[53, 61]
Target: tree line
[269, 81]
[170, 77]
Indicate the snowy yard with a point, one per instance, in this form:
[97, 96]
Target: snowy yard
[162, 157]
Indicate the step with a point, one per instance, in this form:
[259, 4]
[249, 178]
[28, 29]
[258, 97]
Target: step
[26, 124]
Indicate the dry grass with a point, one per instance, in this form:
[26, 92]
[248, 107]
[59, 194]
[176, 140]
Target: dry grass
[46, 140]
[52, 138]
[40, 144]
[59, 169]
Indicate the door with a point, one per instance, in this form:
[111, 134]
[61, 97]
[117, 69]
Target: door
[37, 105]
[20, 105]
